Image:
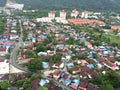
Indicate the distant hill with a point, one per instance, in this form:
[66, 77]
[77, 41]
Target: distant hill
[2, 3]
[96, 5]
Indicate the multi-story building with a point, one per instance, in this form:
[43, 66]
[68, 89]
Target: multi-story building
[62, 14]
[51, 15]
[84, 14]
[74, 13]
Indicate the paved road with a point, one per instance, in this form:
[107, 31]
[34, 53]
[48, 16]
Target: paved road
[14, 52]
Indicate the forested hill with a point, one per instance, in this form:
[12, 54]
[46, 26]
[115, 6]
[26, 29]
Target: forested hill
[2, 3]
[71, 4]
[96, 5]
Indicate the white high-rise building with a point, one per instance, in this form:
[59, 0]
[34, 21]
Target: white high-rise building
[62, 14]
[74, 13]
[84, 14]
[51, 15]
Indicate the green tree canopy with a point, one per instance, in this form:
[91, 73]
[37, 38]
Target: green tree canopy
[4, 85]
[34, 65]
[107, 87]
[42, 88]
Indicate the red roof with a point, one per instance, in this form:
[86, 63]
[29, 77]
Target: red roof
[73, 86]
[90, 86]
[39, 40]
[8, 43]
[83, 84]
[30, 43]
[2, 49]
[35, 84]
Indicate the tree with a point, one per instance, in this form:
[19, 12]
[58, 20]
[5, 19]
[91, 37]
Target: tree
[107, 87]
[34, 65]
[4, 85]
[30, 54]
[26, 85]
[34, 76]
[7, 56]
[40, 47]
[19, 83]
[42, 88]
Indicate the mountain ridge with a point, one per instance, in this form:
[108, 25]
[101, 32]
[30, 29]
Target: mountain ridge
[94, 5]
[71, 4]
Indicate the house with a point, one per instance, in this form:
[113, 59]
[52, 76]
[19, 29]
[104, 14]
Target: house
[67, 82]
[3, 51]
[25, 60]
[116, 28]
[83, 84]
[69, 65]
[52, 86]
[92, 74]
[58, 65]
[39, 40]
[90, 66]
[83, 74]
[43, 82]
[79, 21]
[111, 65]
[45, 65]
[75, 70]
[102, 71]
[90, 86]
[35, 84]
[28, 43]
[83, 62]
[88, 44]
[42, 54]
[75, 83]
[93, 87]
[56, 75]
[51, 53]
[4, 67]
[117, 63]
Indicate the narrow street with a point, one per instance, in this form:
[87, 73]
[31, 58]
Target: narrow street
[14, 52]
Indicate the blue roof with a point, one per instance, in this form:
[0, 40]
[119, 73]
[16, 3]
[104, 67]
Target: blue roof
[90, 66]
[42, 36]
[102, 47]
[82, 39]
[62, 75]
[69, 64]
[33, 38]
[95, 60]
[95, 47]
[76, 82]
[69, 52]
[67, 82]
[44, 64]
[90, 55]
[42, 82]
[60, 46]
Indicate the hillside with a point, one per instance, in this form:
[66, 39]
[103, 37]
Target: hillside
[2, 3]
[98, 5]
[95, 5]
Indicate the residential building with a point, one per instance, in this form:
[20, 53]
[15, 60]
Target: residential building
[84, 14]
[74, 13]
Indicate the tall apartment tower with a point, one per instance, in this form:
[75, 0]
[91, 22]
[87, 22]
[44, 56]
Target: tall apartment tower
[74, 13]
[84, 14]
[62, 14]
[51, 14]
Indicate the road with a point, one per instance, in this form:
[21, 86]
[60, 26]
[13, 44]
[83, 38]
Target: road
[14, 52]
